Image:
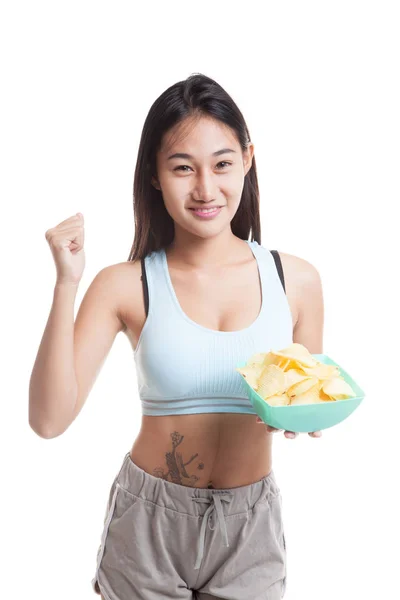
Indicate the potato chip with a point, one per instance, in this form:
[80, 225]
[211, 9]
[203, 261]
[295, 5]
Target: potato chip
[324, 397]
[297, 352]
[256, 359]
[271, 381]
[293, 376]
[322, 371]
[279, 400]
[310, 396]
[272, 359]
[288, 363]
[251, 373]
[302, 386]
[338, 389]
[282, 363]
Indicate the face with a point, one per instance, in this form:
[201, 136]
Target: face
[212, 174]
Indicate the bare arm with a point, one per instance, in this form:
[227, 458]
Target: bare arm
[309, 329]
[71, 354]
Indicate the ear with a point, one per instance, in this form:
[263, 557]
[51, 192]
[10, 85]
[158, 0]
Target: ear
[248, 157]
[155, 183]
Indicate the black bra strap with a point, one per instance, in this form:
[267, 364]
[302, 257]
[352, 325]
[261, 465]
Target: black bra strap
[145, 286]
[278, 264]
[274, 253]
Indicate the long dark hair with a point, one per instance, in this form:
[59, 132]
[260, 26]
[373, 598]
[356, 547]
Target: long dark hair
[197, 95]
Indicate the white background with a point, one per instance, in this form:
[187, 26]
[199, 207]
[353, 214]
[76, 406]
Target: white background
[318, 84]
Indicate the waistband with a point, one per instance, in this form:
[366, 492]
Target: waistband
[192, 501]
[179, 497]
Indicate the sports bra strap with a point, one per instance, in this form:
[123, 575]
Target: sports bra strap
[274, 253]
[145, 286]
[279, 267]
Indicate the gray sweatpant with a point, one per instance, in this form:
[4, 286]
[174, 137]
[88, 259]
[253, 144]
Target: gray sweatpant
[162, 540]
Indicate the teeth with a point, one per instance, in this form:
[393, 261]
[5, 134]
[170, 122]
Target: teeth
[205, 209]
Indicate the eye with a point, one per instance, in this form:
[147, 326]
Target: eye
[180, 167]
[222, 162]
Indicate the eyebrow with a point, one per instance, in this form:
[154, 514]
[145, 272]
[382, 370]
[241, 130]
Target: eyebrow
[189, 156]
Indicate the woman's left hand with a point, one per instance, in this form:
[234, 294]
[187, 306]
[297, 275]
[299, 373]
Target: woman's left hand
[289, 434]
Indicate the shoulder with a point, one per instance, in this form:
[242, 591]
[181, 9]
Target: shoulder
[302, 272]
[123, 285]
[297, 270]
[120, 274]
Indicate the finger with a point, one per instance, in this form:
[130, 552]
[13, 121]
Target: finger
[291, 434]
[268, 427]
[271, 429]
[315, 434]
[71, 221]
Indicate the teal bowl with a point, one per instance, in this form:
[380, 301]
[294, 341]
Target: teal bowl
[306, 417]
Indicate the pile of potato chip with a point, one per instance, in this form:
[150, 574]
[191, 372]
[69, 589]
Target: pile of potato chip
[293, 376]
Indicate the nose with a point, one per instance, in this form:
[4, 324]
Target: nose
[204, 188]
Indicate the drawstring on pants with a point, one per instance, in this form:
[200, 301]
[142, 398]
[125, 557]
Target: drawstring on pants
[215, 503]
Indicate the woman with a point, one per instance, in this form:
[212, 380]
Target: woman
[195, 510]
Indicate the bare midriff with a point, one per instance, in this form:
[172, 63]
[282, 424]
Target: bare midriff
[218, 450]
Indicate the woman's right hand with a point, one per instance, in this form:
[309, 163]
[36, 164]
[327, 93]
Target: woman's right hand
[288, 434]
[66, 244]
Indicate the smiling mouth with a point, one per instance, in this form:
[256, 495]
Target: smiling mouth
[206, 209]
